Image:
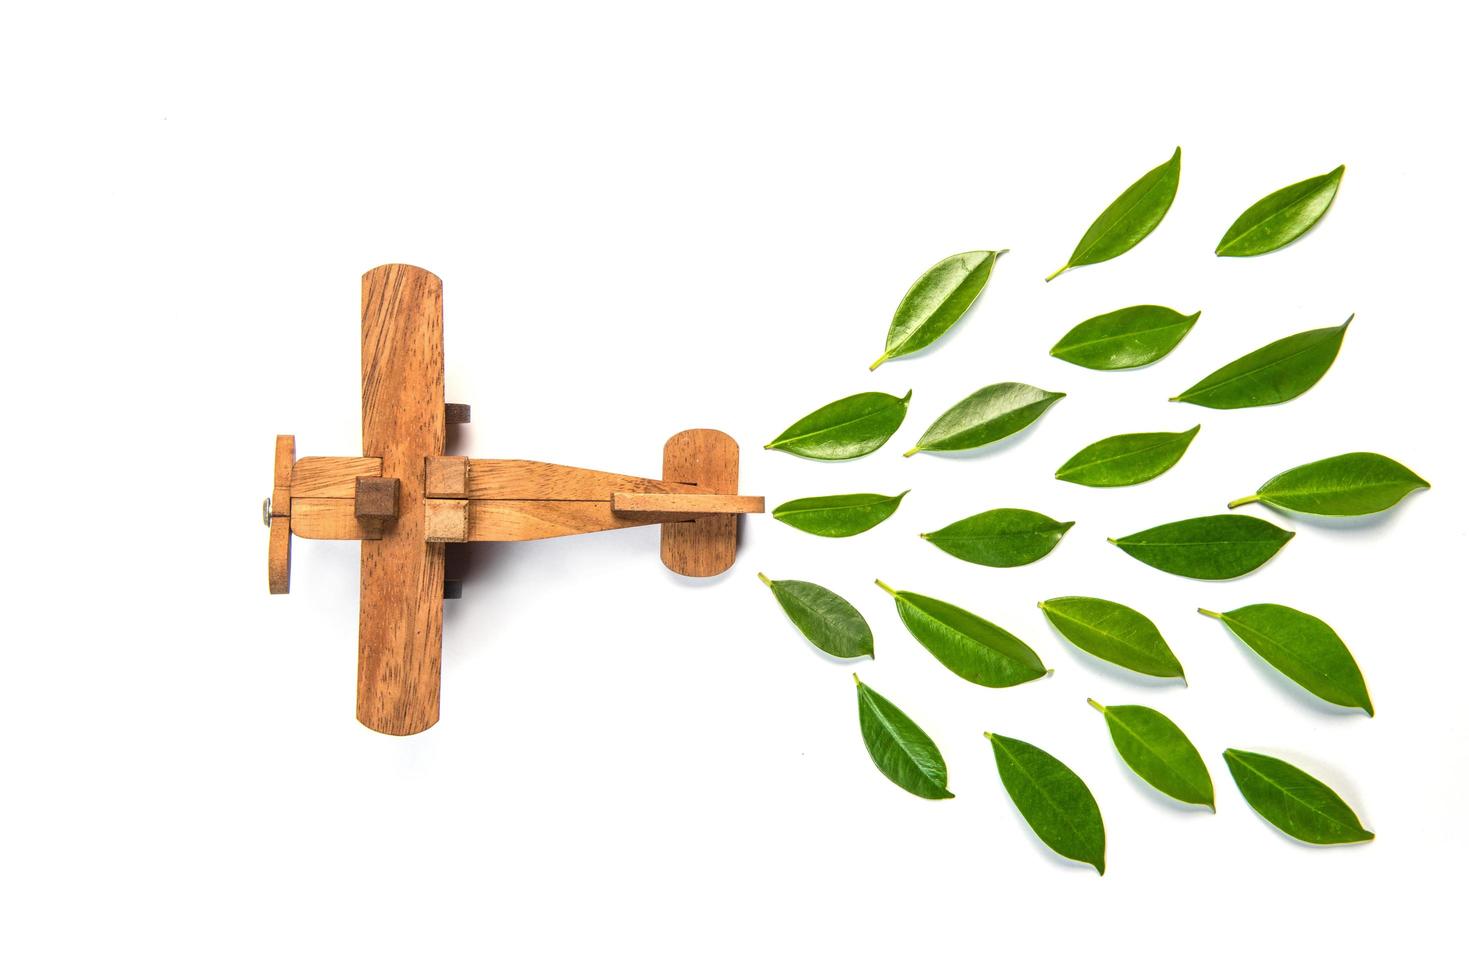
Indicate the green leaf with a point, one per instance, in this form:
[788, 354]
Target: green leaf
[1126, 460]
[1340, 486]
[831, 623]
[1126, 338]
[847, 428]
[1273, 374]
[840, 516]
[1296, 802]
[1216, 547]
[1130, 218]
[901, 750]
[1280, 218]
[1159, 752]
[975, 649]
[936, 301]
[1302, 648]
[1001, 538]
[1112, 632]
[991, 413]
[1052, 799]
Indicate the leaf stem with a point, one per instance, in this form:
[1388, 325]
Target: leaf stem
[1211, 615]
[910, 452]
[764, 579]
[1244, 500]
[875, 364]
[886, 588]
[1058, 272]
[1097, 706]
[855, 679]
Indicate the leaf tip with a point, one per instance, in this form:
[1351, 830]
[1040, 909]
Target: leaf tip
[1349, 320]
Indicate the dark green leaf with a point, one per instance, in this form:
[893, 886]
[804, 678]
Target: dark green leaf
[1302, 648]
[975, 649]
[1216, 547]
[840, 516]
[1341, 486]
[1159, 752]
[847, 428]
[1114, 633]
[1122, 461]
[831, 623]
[1130, 218]
[1052, 799]
[1296, 802]
[1001, 538]
[991, 413]
[1280, 218]
[936, 301]
[901, 750]
[1125, 338]
[1273, 374]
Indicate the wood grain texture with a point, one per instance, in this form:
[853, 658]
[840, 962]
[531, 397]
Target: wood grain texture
[686, 503]
[279, 561]
[524, 479]
[531, 520]
[710, 460]
[376, 498]
[446, 520]
[331, 476]
[285, 460]
[446, 476]
[400, 630]
[329, 519]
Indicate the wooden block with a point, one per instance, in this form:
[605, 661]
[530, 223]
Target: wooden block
[676, 504]
[285, 460]
[401, 618]
[375, 498]
[446, 520]
[710, 460]
[446, 476]
[456, 413]
[279, 564]
[331, 519]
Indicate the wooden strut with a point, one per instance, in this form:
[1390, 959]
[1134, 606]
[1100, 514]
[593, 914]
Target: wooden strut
[406, 501]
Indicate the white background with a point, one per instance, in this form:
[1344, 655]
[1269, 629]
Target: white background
[649, 218]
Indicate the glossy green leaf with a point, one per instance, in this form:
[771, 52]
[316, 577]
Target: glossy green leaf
[1130, 218]
[1295, 801]
[1126, 338]
[1280, 218]
[839, 516]
[1303, 648]
[936, 301]
[1001, 538]
[831, 623]
[1159, 752]
[1126, 460]
[991, 413]
[1340, 486]
[901, 750]
[1273, 374]
[847, 428]
[1113, 632]
[974, 648]
[1052, 799]
[1216, 547]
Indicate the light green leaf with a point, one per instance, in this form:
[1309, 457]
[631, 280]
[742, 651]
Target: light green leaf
[845, 429]
[989, 414]
[1126, 460]
[1295, 801]
[1216, 547]
[901, 750]
[1130, 218]
[1001, 538]
[974, 648]
[1126, 338]
[1273, 374]
[1279, 218]
[839, 516]
[1303, 648]
[1159, 752]
[1112, 632]
[1342, 486]
[1052, 799]
[936, 301]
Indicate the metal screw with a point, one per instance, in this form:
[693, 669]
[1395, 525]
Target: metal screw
[265, 512]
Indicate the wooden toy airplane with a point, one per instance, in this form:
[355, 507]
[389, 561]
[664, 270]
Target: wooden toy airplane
[406, 501]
